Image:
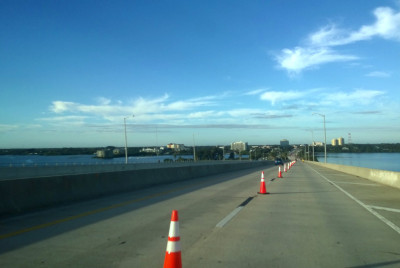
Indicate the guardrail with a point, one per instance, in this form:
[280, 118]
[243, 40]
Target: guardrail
[390, 178]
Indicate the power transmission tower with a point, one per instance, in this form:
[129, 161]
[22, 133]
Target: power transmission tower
[349, 141]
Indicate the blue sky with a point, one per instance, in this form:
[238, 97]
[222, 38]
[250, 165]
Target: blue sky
[212, 72]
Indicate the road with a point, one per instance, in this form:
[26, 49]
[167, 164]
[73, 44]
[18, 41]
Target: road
[313, 217]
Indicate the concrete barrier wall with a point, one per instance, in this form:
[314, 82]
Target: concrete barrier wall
[22, 172]
[20, 195]
[390, 178]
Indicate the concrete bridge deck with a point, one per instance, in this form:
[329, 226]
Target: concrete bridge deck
[314, 217]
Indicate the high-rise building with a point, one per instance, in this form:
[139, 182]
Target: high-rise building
[284, 143]
[338, 141]
[341, 141]
[239, 146]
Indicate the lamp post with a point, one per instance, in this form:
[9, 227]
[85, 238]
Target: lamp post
[194, 149]
[312, 134]
[126, 141]
[312, 143]
[324, 133]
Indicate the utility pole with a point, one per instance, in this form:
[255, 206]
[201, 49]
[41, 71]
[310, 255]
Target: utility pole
[194, 150]
[126, 141]
[324, 133]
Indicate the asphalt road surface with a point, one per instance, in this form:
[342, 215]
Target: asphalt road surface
[313, 217]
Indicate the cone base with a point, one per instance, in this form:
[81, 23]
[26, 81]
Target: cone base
[263, 193]
[173, 260]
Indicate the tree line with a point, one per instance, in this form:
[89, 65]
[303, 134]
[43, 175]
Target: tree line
[213, 152]
[361, 148]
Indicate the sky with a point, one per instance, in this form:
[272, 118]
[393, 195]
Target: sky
[198, 72]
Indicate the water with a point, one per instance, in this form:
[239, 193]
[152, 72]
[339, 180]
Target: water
[66, 160]
[383, 161]
[40, 160]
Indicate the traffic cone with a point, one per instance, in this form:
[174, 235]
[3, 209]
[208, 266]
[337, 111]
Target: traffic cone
[280, 172]
[263, 188]
[284, 168]
[173, 257]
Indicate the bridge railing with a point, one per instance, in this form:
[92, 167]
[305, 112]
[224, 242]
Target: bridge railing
[32, 171]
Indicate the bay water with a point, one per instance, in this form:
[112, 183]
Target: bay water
[383, 161]
[66, 160]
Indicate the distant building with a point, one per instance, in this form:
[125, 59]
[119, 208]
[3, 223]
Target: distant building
[104, 153]
[117, 151]
[239, 146]
[176, 147]
[338, 141]
[148, 150]
[284, 143]
[341, 141]
[318, 143]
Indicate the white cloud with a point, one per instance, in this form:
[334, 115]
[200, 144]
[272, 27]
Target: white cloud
[378, 74]
[278, 96]
[103, 101]
[348, 99]
[62, 106]
[6, 128]
[318, 49]
[300, 58]
[161, 108]
[242, 112]
[185, 105]
[387, 25]
[256, 91]
[327, 36]
[194, 112]
[142, 105]
[63, 118]
[203, 115]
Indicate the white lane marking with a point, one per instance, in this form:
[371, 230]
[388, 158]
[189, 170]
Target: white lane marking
[225, 220]
[357, 183]
[376, 214]
[229, 217]
[387, 209]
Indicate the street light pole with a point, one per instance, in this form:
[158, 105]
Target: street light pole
[312, 134]
[126, 141]
[324, 133]
[194, 150]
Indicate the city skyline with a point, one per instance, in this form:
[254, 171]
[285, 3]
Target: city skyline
[198, 73]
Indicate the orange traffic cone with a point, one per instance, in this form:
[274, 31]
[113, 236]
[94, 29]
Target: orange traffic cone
[263, 188]
[280, 172]
[173, 257]
[284, 168]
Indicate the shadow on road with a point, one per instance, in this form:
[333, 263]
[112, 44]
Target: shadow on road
[23, 230]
